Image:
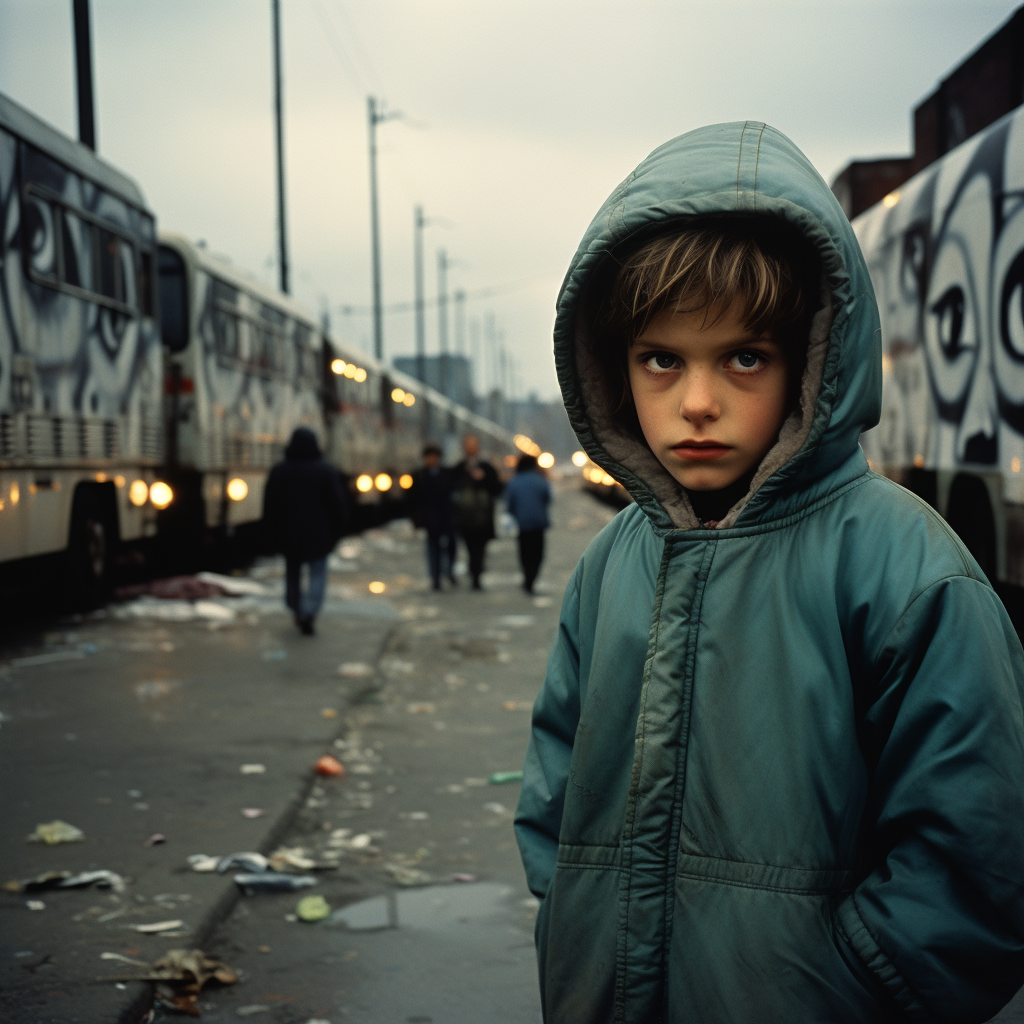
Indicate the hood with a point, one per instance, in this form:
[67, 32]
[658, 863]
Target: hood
[303, 446]
[745, 168]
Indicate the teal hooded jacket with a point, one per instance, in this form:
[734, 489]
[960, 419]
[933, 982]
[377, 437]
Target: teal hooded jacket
[776, 771]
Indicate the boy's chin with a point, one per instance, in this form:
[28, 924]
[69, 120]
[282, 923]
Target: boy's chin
[704, 479]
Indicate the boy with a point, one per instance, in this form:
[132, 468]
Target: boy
[777, 764]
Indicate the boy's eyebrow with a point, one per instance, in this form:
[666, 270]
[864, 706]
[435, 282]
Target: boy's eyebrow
[746, 339]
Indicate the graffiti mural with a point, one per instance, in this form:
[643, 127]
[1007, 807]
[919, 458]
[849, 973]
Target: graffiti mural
[946, 256]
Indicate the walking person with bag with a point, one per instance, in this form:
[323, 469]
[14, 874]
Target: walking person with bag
[476, 486]
[527, 497]
[305, 512]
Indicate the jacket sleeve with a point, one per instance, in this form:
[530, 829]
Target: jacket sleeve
[939, 917]
[556, 713]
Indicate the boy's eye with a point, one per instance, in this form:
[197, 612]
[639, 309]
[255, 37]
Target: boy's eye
[659, 362]
[746, 361]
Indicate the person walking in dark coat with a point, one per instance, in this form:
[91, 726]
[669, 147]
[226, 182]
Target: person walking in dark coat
[476, 486]
[305, 511]
[527, 497]
[430, 498]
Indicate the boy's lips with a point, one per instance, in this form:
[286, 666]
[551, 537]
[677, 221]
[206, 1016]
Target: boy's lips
[699, 451]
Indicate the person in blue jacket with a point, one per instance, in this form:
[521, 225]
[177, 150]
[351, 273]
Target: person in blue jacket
[776, 772]
[527, 496]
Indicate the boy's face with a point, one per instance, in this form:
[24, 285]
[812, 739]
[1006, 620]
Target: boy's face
[710, 398]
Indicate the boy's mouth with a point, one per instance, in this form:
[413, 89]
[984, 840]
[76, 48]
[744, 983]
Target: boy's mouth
[699, 451]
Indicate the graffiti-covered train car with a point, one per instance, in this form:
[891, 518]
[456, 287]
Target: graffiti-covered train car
[946, 256]
[80, 359]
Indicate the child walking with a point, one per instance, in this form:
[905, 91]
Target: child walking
[776, 773]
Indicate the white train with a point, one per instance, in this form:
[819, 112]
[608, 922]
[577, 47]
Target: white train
[147, 387]
[946, 257]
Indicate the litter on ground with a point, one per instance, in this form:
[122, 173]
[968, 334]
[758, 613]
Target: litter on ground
[55, 832]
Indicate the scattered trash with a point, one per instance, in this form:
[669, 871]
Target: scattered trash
[291, 857]
[516, 705]
[272, 881]
[248, 1011]
[174, 588]
[463, 877]
[158, 926]
[328, 765]
[155, 839]
[517, 621]
[47, 880]
[35, 905]
[275, 655]
[500, 778]
[253, 812]
[475, 782]
[180, 976]
[248, 861]
[233, 586]
[417, 815]
[101, 879]
[405, 876]
[422, 708]
[329, 713]
[56, 832]
[134, 794]
[495, 808]
[354, 669]
[312, 908]
[542, 602]
[342, 839]
[201, 862]
[253, 769]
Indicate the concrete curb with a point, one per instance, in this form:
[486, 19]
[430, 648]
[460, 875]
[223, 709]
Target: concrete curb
[141, 1004]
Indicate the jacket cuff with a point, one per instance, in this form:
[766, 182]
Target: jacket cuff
[854, 932]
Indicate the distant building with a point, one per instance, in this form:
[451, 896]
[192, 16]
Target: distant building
[981, 89]
[451, 375]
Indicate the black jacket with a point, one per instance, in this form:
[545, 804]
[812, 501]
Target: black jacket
[474, 499]
[430, 499]
[304, 506]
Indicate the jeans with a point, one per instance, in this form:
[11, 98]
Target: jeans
[531, 554]
[305, 605]
[440, 555]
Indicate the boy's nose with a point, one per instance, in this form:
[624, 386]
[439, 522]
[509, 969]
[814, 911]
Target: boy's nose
[698, 403]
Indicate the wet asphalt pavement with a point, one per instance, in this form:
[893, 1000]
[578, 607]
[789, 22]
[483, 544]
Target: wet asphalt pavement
[205, 729]
[129, 726]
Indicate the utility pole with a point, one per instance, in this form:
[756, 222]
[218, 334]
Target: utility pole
[83, 73]
[419, 223]
[475, 367]
[442, 318]
[460, 322]
[375, 116]
[282, 234]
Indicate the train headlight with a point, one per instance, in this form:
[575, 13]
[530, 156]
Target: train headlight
[338, 366]
[348, 369]
[364, 483]
[579, 459]
[237, 489]
[377, 587]
[545, 460]
[608, 481]
[160, 494]
[138, 493]
[360, 375]
[382, 482]
[405, 481]
[397, 395]
[409, 400]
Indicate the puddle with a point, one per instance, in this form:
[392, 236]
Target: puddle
[435, 908]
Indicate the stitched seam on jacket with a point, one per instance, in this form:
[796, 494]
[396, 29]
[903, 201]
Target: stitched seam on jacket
[757, 159]
[789, 890]
[739, 162]
[763, 865]
[626, 860]
[584, 866]
[684, 742]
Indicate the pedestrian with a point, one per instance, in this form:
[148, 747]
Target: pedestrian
[430, 501]
[475, 487]
[776, 771]
[305, 512]
[527, 497]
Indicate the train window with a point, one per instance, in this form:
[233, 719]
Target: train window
[39, 219]
[76, 251]
[225, 334]
[146, 284]
[109, 265]
[223, 293]
[173, 300]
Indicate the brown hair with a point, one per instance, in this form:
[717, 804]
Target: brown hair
[758, 267]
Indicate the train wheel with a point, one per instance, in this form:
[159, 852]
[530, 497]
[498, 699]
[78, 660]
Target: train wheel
[91, 549]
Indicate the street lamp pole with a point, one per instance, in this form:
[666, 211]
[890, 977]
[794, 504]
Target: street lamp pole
[282, 235]
[442, 318]
[376, 114]
[83, 72]
[419, 223]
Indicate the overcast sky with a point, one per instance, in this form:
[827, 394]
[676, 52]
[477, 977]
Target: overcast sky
[519, 118]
